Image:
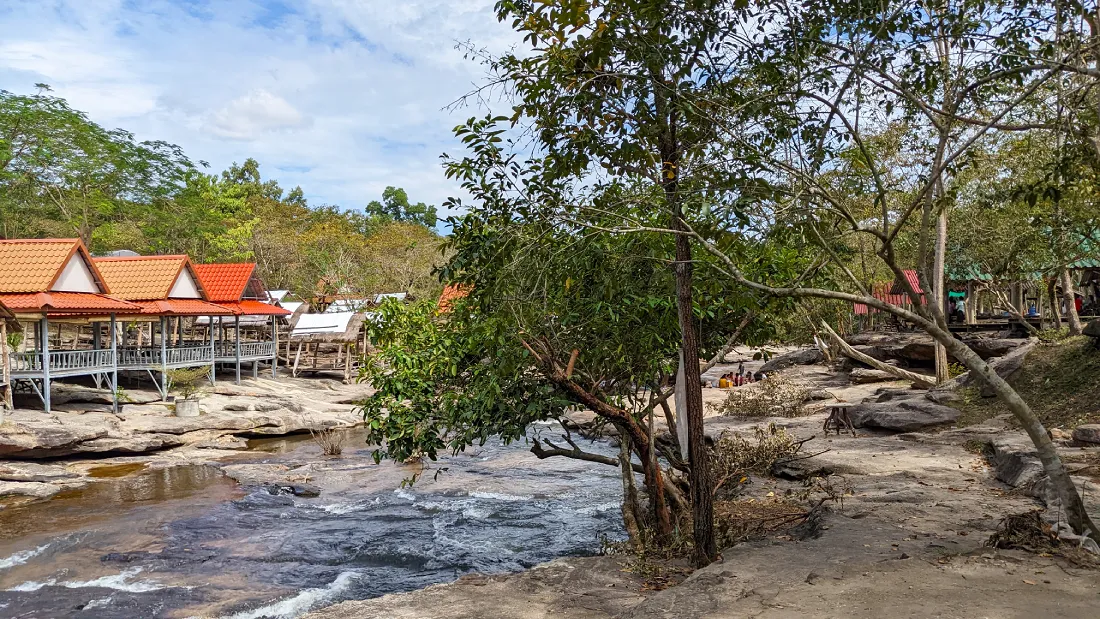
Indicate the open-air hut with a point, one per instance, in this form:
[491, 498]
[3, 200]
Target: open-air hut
[327, 342]
[47, 283]
[236, 288]
[167, 291]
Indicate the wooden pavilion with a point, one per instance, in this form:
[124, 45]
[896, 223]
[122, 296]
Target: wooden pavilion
[236, 288]
[55, 281]
[168, 292]
[330, 341]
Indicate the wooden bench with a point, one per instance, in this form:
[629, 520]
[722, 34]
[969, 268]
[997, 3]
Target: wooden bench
[838, 418]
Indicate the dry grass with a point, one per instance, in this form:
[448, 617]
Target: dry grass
[1027, 531]
[330, 440]
[1060, 380]
[774, 396]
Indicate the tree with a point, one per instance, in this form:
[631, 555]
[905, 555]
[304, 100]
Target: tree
[57, 164]
[395, 206]
[554, 318]
[776, 100]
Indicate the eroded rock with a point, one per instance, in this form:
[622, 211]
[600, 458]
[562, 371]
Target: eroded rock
[806, 356]
[860, 376]
[1087, 433]
[902, 415]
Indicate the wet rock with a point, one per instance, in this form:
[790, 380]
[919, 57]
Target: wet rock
[32, 489]
[902, 415]
[1087, 433]
[860, 376]
[302, 490]
[806, 356]
[30, 471]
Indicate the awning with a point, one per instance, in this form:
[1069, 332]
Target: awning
[68, 303]
[255, 308]
[182, 307]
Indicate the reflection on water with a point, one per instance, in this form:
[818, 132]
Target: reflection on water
[186, 541]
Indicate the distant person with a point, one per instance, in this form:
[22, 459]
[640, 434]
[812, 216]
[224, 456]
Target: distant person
[1077, 302]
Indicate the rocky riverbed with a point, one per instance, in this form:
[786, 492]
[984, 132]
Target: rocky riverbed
[236, 513]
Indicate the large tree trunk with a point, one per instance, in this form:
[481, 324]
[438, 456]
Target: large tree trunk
[1072, 505]
[1068, 297]
[939, 293]
[1055, 310]
[702, 506]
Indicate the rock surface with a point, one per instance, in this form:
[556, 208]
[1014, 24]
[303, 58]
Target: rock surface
[1087, 433]
[806, 356]
[902, 415]
[861, 376]
[258, 407]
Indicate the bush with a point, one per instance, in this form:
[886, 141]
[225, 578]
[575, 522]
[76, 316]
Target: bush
[330, 440]
[735, 456]
[185, 381]
[774, 396]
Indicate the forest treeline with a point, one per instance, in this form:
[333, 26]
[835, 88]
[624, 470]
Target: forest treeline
[64, 175]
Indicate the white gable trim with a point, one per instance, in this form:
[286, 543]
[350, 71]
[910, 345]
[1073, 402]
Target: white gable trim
[75, 277]
[185, 287]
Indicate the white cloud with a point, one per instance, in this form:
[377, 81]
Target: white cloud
[254, 114]
[342, 97]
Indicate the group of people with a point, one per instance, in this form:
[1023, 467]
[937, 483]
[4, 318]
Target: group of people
[741, 377]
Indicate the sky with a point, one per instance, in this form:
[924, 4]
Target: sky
[342, 97]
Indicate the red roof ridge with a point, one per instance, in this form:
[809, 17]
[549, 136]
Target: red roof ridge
[157, 257]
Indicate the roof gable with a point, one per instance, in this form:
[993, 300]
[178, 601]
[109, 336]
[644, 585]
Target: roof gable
[143, 278]
[44, 265]
[225, 282]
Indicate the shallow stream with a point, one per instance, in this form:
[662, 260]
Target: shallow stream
[188, 541]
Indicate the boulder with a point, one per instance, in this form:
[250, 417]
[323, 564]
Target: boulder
[1006, 367]
[860, 376]
[888, 394]
[1092, 329]
[994, 347]
[45, 437]
[302, 490]
[806, 356]
[1087, 433]
[1014, 461]
[902, 415]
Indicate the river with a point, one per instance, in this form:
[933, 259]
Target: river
[188, 541]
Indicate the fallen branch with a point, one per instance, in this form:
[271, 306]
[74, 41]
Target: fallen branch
[919, 379]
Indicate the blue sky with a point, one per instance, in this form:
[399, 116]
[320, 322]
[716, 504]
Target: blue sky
[342, 97]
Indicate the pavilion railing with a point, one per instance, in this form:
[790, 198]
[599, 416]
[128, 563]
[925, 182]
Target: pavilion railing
[249, 350]
[61, 361]
[150, 356]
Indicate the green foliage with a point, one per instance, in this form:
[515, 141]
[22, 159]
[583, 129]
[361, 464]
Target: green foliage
[395, 206]
[62, 175]
[185, 381]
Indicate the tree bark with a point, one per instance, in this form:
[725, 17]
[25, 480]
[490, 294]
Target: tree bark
[1055, 310]
[1068, 297]
[939, 293]
[702, 498]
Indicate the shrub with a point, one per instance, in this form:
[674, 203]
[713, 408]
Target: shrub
[330, 440]
[774, 396]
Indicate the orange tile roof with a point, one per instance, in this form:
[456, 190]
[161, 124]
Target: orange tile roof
[182, 307]
[225, 282]
[33, 265]
[450, 294]
[69, 302]
[255, 308]
[141, 278]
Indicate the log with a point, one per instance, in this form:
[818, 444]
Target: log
[918, 379]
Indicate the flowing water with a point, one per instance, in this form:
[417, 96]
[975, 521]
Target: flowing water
[188, 541]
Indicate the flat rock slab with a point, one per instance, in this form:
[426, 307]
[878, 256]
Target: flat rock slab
[1088, 433]
[902, 415]
[807, 356]
[32, 489]
[860, 376]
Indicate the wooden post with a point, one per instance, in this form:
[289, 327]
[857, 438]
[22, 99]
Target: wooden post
[44, 329]
[213, 354]
[6, 364]
[275, 348]
[114, 364]
[297, 356]
[237, 345]
[163, 359]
